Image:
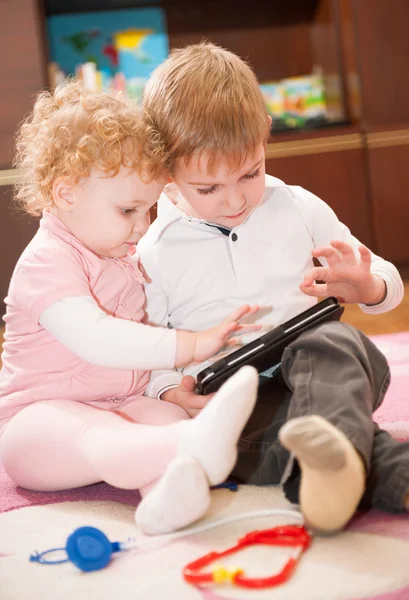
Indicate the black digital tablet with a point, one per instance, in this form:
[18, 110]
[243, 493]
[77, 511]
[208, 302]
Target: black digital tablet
[265, 352]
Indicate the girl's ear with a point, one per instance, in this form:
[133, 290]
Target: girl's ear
[63, 194]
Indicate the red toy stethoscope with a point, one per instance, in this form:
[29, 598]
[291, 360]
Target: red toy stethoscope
[295, 536]
[90, 550]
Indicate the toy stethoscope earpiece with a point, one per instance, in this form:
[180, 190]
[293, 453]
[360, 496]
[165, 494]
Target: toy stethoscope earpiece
[88, 548]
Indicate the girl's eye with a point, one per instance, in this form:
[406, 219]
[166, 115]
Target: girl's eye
[206, 191]
[128, 211]
[253, 175]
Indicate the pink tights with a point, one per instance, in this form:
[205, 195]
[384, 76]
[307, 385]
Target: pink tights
[61, 444]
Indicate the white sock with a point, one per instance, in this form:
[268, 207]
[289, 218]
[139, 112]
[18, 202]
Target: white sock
[212, 436]
[332, 472]
[207, 453]
[181, 497]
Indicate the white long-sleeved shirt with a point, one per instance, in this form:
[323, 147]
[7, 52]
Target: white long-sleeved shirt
[83, 327]
[198, 275]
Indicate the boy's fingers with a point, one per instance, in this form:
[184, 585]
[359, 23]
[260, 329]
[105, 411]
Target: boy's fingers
[188, 383]
[346, 250]
[366, 256]
[330, 254]
[316, 289]
[197, 402]
[317, 273]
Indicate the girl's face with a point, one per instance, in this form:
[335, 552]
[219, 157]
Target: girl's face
[109, 215]
[226, 196]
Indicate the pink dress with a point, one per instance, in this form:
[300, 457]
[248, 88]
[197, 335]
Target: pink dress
[35, 365]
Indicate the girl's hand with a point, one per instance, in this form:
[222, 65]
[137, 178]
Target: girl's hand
[210, 341]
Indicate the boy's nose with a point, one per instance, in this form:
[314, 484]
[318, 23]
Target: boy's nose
[236, 201]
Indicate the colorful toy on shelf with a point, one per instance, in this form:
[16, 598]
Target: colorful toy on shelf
[109, 50]
[302, 101]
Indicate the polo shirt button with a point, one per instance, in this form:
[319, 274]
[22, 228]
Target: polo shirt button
[234, 237]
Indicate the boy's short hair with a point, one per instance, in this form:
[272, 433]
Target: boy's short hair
[204, 98]
[69, 132]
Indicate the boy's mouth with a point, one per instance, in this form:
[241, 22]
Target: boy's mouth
[235, 216]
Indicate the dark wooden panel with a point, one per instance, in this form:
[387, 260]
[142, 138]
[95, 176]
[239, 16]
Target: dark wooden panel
[273, 51]
[16, 231]
[383, 48]
[389, 173]
[280, 12]
[336, 177]
[22, 67]
[284, 40]
[325, 38]
[316, 134]
[346, 27]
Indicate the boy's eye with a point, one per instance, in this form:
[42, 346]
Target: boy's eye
[205, 191]
[253, 175]
[127, 211]
[213, 188]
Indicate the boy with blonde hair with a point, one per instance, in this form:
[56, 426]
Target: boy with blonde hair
[227, 233]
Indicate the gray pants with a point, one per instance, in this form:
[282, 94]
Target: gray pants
[336, 372]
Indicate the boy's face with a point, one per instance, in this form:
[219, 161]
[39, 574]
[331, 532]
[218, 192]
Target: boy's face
[227, 196]
[109, 215]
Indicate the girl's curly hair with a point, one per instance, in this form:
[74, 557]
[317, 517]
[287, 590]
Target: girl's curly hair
[71, 131]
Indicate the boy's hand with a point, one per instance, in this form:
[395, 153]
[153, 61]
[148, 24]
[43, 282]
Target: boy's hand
[345, 278]
[185, 396]
[210, 341]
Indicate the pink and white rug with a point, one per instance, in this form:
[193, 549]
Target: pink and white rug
[369, 561]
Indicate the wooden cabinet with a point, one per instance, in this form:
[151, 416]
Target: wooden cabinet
[16, 231]
[382, 43]
[333, 168]
[359, 169]
[22, 67]
[388, 162]
[22, 75]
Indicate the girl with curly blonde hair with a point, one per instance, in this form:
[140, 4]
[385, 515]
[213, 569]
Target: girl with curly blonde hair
[77, 355]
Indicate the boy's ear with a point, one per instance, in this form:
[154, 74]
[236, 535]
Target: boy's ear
[63, 194]
[270, 120]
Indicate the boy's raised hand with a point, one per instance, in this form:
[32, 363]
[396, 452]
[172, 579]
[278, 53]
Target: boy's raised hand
[348, 279]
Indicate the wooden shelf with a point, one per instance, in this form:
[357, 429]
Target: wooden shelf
[9, 177]
[318, 145]
[359, 168]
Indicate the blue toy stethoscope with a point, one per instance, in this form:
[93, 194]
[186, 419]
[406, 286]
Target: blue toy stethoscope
[89, 549]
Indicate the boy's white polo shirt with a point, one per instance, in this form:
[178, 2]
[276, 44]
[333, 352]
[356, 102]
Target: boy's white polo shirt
[198, 274]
